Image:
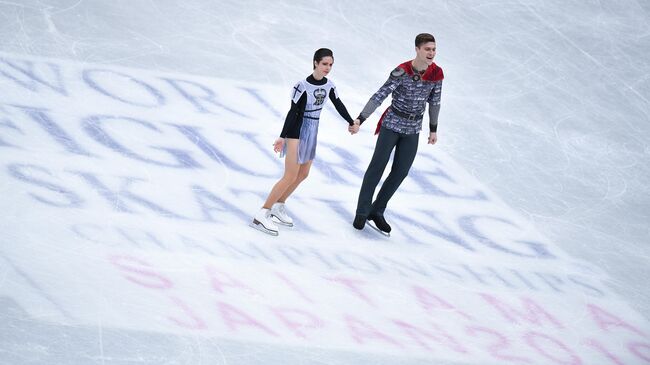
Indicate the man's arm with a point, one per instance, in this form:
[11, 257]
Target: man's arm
[434, 111]
[375, 101]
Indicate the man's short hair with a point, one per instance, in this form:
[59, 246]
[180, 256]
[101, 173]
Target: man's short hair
[422, 38]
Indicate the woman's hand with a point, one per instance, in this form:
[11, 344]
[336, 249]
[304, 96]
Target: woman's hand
[354, 128]
[278, 145]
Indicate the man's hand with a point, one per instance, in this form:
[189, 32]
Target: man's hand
[278, 144]
[354, 128]
[433, 138]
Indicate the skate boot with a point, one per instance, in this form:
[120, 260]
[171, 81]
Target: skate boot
[279, 212]
[264, 223]
[359, 221]
[380, 222]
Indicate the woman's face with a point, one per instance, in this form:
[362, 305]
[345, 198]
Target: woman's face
[323, 67]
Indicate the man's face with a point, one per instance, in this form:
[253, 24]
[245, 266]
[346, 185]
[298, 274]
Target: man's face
[426, 52]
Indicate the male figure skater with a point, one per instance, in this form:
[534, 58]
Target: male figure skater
[413, 84]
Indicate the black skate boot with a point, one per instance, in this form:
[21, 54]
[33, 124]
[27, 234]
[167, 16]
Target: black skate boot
[359, 222]
[380, 222]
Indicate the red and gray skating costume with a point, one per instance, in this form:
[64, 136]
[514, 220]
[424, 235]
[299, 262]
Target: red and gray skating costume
[398, 129]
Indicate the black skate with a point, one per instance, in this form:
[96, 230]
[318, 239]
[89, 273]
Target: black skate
[379, 224]
[359, 222]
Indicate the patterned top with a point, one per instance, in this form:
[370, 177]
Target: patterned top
[307, 100]
[410, 92]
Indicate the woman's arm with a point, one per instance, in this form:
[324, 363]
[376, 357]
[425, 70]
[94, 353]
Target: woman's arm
[291, 126]
[338, 104]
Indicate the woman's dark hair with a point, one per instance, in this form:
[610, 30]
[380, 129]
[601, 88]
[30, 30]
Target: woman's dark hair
[423, 38]
[322, 53]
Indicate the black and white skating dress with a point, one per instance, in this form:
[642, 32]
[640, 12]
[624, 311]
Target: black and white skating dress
[308, 98]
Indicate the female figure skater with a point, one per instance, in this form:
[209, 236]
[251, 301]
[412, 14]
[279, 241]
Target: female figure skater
[297, 142]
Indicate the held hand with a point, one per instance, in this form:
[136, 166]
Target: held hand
[433, 138]
[354, 128]
[278, 144]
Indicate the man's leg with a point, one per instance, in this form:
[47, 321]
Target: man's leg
[385, 143]
[405, 151]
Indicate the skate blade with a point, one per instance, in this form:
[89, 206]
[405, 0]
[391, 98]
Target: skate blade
[279, 221]
[261, 228]
[372, 225]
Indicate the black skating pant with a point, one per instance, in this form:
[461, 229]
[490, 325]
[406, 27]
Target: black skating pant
[406, 146]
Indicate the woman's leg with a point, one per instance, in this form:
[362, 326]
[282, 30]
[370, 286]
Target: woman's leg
[291, 170]
[303, 172]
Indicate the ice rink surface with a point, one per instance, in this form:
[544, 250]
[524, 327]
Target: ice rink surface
[135, 146]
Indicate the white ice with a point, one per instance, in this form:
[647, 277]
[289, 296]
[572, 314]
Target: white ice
[135, 146]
